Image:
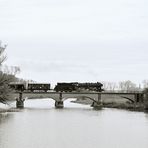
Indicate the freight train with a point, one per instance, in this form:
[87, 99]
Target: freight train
[60, 87]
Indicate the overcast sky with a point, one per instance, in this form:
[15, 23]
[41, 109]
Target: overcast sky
[76, 40]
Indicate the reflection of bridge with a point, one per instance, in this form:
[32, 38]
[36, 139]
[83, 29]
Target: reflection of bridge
[60, 97]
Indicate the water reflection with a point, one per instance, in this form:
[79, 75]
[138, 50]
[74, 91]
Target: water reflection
[40, 125]
[146, 115]
[5, 117]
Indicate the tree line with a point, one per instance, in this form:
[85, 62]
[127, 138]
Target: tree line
[125, 86]
[7, 75]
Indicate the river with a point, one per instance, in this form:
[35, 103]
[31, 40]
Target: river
[40, 125]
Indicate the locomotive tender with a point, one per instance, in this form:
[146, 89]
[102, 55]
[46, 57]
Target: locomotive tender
[60, 87]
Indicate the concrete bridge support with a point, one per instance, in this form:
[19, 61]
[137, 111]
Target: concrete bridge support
[97, 104]
[139, 98]
[59, 104]
[20, 101]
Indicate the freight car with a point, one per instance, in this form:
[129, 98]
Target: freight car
[17, 86]
[38, 87]
[29, 86]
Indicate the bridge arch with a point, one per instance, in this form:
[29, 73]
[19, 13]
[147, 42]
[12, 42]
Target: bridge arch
[132, 101]
[76, 97]
[51, 98]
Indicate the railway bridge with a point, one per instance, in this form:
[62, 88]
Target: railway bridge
[60, 97]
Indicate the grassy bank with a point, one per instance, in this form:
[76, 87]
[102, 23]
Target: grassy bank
[2, 110]
[6, 108]
[134, 107]
[116, 104]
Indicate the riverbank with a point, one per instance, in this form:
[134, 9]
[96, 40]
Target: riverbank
[132, 107]
[9, 110]
[6, 108]
[126, 106]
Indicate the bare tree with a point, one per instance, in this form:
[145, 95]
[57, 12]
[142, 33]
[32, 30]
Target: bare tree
[11, 70]
[127, 86]
[109, 86]
[2, 55]
[145, 84]
[4, 78]
[4, 89]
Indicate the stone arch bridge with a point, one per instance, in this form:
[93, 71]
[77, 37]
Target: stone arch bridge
[60, 97]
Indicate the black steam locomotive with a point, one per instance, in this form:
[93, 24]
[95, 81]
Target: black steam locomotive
[75, 86]
[65, 87]
[60, 87]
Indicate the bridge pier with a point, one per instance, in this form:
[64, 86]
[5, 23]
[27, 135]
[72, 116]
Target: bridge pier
[20, 101]
[139, 98]
[97, 104]
[59, 104]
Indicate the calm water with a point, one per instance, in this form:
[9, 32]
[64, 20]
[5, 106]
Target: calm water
[40, 125]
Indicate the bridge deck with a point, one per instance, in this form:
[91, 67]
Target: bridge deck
[109, 93]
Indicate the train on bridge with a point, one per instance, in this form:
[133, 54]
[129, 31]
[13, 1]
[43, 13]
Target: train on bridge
[60, 87]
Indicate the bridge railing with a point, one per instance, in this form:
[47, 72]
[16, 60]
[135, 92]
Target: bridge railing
[123, 91]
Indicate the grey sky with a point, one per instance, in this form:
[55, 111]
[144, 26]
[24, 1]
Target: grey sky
[76, 40]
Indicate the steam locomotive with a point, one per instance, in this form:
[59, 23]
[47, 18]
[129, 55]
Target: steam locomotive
[60, 87]
[75, 86]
